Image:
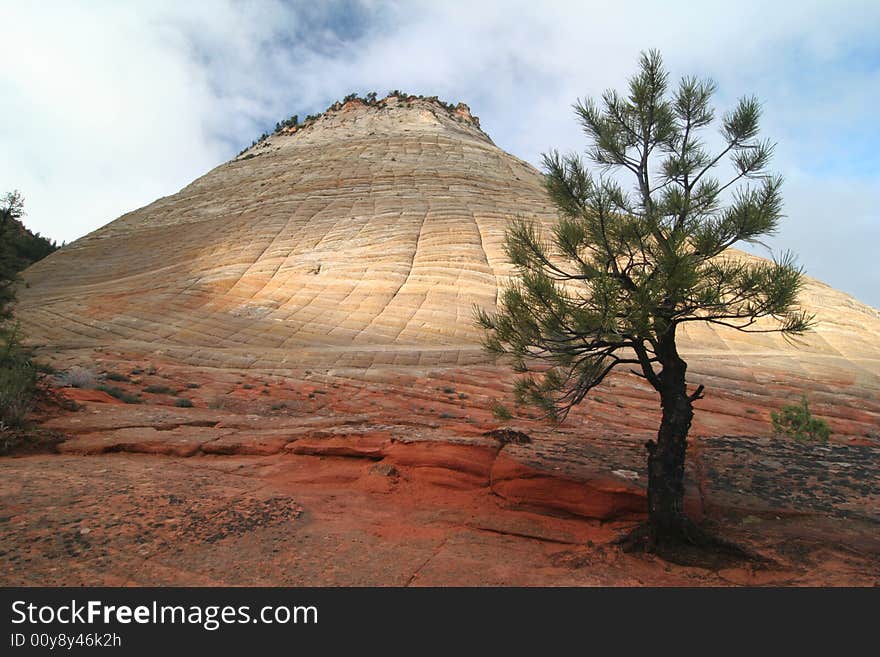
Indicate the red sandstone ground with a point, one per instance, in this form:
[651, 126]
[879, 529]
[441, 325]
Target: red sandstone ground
[319, 478]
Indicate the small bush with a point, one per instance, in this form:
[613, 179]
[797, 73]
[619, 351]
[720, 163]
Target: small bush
[500, 411]
[159, 390]
[18, 380]
[449, 391]
[17, 386]
[292, 122]
[181, 402]
[120, 394]
[796, 421]
[116, 376]
[78, 377]
[193, 385]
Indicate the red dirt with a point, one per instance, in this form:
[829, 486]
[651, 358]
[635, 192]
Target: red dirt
[320, 479]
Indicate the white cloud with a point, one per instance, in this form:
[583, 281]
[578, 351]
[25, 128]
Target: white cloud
[101, 115]
[110, 105]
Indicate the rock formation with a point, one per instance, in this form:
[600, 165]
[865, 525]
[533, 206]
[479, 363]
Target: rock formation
[299, 320]
[360, 239]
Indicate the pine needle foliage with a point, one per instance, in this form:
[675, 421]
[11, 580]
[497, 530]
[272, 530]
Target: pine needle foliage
[626, 265]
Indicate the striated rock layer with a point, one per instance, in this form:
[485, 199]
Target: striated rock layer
[360, 241]
[316, 408]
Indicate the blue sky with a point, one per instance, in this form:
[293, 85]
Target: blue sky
[107, 105]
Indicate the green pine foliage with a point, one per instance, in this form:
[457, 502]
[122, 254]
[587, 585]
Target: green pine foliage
[18, 379]
[19, 248]
[626, 265]
[292, 122]
[120, 394]
[796, 421]
[501, 412]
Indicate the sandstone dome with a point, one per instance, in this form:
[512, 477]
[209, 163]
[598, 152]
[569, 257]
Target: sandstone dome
[360, 240]
[310, 303]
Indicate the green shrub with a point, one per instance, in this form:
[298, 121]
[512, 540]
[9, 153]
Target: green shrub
[17, 386]
[19, 248]
[120, 394]
[181, 402]
[18, 379]
[159, 390]
[292, 122]
[115, 376]
[500, 411]
[796, 421]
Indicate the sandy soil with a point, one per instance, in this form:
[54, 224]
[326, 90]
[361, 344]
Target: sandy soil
[325, 479]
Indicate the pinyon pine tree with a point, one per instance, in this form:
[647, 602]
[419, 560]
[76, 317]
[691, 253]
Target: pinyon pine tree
[624, 268]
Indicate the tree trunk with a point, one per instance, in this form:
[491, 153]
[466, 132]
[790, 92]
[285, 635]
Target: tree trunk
[666, 455]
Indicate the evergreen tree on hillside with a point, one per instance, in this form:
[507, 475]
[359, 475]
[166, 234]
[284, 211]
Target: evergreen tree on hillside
[11, 209]
[18, 375]
[19, 248]
[624, 269]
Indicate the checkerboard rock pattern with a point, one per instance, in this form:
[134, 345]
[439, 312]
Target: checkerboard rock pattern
[361, 241]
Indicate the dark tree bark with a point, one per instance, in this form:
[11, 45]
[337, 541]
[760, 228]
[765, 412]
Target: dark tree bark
[668, 531]
[666, 455]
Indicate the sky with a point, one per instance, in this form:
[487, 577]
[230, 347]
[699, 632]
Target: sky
[106, 106]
